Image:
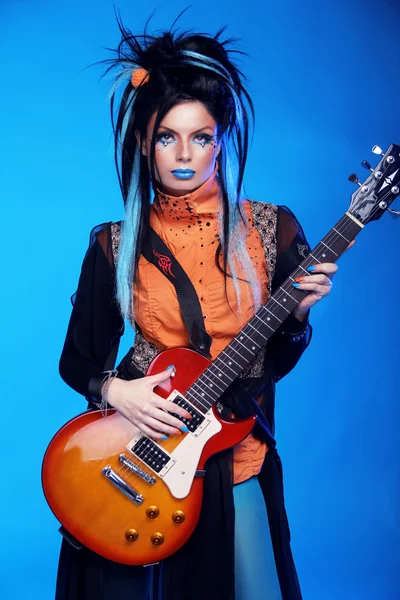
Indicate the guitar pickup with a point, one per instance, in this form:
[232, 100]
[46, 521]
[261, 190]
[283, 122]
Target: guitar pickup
[197, 418]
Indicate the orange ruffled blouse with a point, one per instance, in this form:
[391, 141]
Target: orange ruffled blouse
[189, 227]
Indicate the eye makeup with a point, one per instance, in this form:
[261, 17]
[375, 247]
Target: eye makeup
[202, 139]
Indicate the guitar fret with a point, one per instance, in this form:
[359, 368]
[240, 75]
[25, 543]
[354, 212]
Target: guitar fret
[330, 249]
[205, 375]
[231, 359]
[272, 298]
[201, 403]
[242, 333]
[201, 393]
[348, 241]
[239, 342]
[213, 382]
[290, 296]
[194, 400]
[245, 347]
[303, 269]
[259, 333]
[225, 365]
[239, 352]
[220, 373]
[273, 314]
[263, 322]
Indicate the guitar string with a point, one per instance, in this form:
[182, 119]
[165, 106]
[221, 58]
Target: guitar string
[330, 238]
[193, 392]
[278, 296]
[281, 293]
[341, 229]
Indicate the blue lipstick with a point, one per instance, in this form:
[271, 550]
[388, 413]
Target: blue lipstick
[183, 173]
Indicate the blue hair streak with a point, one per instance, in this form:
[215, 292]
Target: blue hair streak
[238, 257]
[128, 242]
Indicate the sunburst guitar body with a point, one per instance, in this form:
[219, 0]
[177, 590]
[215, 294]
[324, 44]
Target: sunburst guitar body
[129, 498]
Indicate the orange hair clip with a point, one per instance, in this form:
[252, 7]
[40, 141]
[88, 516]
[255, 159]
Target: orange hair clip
[139, 77]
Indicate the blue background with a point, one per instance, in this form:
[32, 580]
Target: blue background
[324, 77]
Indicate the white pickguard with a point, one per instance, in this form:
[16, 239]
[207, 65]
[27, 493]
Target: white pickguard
[179, 472]
[180, 476]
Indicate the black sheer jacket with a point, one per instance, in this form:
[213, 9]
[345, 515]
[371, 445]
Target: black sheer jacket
[207, 558]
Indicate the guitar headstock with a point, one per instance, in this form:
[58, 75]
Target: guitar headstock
[375, 195]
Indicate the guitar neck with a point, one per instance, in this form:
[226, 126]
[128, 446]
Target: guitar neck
[238, 354]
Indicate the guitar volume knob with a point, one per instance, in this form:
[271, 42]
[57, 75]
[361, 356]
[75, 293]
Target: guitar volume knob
[178, 516]
[131, 535]
[153, 511]
[157, 538]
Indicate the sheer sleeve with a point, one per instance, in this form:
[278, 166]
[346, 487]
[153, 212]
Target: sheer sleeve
[288, 343]
[96, 324]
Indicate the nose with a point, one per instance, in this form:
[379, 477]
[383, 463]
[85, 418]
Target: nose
[183, 151]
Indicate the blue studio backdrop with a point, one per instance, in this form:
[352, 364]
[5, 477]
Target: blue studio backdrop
[324, 77]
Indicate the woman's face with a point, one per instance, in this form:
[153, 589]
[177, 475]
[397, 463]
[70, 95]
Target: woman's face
[186, 148]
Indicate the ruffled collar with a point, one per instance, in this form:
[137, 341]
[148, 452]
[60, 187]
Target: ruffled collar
[199, 207]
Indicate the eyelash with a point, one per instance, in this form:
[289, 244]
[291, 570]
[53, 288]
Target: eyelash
[207, 138]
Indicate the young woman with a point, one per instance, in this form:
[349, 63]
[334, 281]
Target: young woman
[181, 138]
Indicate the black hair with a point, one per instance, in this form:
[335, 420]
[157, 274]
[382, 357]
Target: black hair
[181, 67]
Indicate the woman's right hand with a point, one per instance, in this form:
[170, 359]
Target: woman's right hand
[137, 402]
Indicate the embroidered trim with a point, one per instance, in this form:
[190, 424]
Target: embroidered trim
[115, 240]
[265, 217]
[143, 353]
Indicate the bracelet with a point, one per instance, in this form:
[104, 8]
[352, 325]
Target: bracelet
[106, 386]
[296, 337]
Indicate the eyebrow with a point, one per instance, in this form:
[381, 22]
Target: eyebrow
[197, 130]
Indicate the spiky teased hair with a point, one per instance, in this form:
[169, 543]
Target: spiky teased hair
[182, 66]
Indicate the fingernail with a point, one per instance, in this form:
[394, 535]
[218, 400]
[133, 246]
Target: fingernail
[171, 367]
[311, 268]
[185, 429]
[295, 284]
[164, 437]
[299, 278]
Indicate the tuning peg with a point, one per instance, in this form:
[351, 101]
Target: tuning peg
[367, 166]
[377, 150]
[354, 179]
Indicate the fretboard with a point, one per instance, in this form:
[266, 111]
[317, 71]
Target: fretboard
[239, 353]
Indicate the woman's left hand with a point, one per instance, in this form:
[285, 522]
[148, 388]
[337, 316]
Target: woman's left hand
[318, 285]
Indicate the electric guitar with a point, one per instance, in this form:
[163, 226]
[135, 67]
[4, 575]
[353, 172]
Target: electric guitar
[136, 501]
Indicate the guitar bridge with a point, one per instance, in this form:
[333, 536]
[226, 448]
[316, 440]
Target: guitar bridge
[137, 470]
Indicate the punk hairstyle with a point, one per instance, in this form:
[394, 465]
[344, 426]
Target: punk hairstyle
[184, 66]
